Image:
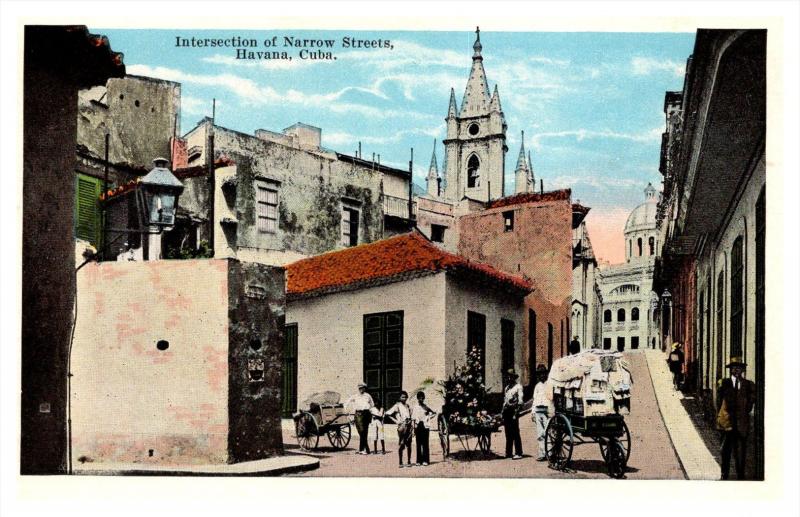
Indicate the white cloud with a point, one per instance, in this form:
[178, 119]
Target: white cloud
[252, 93]
[652, 135]
[647, 65]
[344, 138]
[195, 106]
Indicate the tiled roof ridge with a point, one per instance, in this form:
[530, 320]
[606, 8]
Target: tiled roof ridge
[425, 259]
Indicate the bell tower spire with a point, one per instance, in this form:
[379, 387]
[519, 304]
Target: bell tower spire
[475, 145]
[523, 174]
[434, 182]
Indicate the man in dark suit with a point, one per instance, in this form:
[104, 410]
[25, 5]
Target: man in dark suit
[738, 395]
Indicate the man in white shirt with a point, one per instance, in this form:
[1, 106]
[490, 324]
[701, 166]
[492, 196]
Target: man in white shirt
[361, 403]
[512, 401]
[542, 408]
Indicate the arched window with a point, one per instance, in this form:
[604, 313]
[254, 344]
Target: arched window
[635, 314]
[639, 244]
[607, 316]
[473, 172]
[652, 243]
[630, 248]
[621, 315]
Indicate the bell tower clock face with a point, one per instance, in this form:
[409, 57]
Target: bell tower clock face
[473, 129]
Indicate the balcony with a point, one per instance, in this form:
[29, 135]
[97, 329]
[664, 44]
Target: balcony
[398, 207]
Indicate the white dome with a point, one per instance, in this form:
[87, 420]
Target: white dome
[643, 217]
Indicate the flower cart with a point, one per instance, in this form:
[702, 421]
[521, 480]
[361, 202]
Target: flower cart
[324, 415]
[465, 413]
[591, 393]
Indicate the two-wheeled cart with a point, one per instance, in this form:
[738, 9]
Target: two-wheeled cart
[589, 396]
[476, 437]
[324, 416]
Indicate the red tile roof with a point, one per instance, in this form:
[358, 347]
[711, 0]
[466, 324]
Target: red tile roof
[390, 260]
[531, 197]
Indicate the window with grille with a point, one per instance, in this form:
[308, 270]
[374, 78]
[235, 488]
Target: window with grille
[635, 314]
[652, 243]
[607, 316]
[349, 226]
[621, 315]
[267, 207]
[737, 298]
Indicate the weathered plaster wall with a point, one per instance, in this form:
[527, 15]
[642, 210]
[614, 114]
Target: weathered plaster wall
[462, 297]
[138, 112]
[312, 188]
[331, 334]
[129, 397]
[540, 248]
[256, 307]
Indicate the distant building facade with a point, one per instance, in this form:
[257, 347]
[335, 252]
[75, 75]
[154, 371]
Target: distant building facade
[586, 311]
[628, 313]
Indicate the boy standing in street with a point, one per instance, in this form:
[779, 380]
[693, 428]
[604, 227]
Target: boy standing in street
[542, 404]
[419, 415]
[402, 415]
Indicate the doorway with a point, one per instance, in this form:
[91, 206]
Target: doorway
[383, 356]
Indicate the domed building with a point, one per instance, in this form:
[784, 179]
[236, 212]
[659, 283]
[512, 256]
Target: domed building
[627, 308]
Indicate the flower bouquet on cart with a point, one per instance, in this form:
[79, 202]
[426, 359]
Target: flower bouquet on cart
[465, 398]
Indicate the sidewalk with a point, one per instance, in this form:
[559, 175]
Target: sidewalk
[697, 460]
[290, 463]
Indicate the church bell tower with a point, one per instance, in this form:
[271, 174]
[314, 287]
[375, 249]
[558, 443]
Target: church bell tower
[475, 146]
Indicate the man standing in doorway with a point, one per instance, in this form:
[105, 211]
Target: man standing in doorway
[512, 402]
[735, 400]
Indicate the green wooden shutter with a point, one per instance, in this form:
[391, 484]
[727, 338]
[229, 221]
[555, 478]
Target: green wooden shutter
[87, 209]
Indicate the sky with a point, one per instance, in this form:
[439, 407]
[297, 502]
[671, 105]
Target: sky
[591, 104]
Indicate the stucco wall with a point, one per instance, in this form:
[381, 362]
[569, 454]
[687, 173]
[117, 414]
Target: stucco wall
[312, 186]
[716, 259]
[128, 397]
[463, 297]
[331, 334]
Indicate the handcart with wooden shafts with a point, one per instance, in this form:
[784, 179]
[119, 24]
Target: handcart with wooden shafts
[324, 415]
[475, 435]
[591, 393]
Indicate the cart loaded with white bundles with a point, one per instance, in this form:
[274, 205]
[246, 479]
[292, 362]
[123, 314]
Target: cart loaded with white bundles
[591, 393]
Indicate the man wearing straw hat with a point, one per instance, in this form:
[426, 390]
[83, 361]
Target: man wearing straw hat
[361, 403]
[735, 401]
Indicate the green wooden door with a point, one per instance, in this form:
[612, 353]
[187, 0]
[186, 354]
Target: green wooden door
[383, 355]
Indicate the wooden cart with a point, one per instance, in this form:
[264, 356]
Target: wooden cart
[574, 423]
[471, 438]
[324, 415]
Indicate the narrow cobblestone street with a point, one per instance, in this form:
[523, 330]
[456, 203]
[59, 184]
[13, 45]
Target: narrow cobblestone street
[652, 455]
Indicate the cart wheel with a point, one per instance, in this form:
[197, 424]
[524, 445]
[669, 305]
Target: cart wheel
[305, 429]
[485, 443]
[558, 442]
[616, 460]
[444, 436]
[624, 440]
[339, 436]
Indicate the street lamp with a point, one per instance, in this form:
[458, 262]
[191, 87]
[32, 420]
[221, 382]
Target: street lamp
[157, 198]
[667, 297]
